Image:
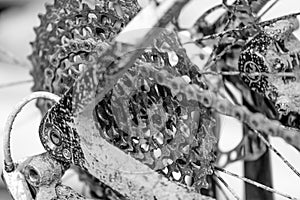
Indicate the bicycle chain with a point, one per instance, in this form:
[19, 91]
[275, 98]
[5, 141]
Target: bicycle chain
[256, 121]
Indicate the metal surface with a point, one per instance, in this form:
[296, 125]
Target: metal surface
[84, 143]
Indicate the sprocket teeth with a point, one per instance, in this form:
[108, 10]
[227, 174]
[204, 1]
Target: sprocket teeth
[30, 57]
[85, 7]
[48, 7]
[36, 30]
[41, 16]
[98, 7]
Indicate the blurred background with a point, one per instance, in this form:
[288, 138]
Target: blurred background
[17, 19]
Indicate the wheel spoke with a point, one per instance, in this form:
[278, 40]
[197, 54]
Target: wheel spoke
[221, 188]
[227, 186]
[270, 146]
[259, 185]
